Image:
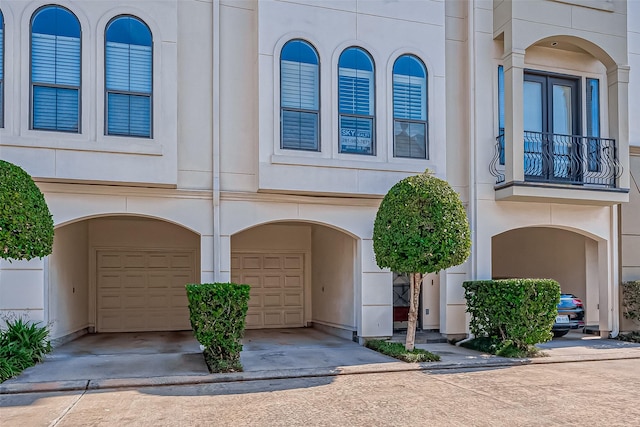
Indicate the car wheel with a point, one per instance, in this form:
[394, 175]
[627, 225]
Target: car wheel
[558, 334]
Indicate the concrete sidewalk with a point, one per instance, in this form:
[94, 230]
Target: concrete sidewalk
[271, 354]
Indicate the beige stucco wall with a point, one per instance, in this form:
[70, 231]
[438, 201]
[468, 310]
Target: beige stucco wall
[541, 253]
[333, 287]
[69, 280]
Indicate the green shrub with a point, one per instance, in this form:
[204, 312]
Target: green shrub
[22, 344]
[631, 300]
[630, 337]
[397, 350]
[217, 314]
[26, 225]
[512, 313]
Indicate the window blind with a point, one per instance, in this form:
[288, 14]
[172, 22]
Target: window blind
[55, 62]
[409, 98]
[355, 89]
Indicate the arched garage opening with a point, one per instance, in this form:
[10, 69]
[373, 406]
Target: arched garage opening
[565, 256]
[121, 274]
[301, 274]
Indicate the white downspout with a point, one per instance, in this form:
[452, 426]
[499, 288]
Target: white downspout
[215, 164]
[473, 207]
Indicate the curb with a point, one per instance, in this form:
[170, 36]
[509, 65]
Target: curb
[435, 367]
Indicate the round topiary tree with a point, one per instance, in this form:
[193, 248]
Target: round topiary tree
[26, 225]
[421, 227]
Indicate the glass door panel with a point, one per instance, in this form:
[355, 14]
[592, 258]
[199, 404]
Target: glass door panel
[562, 125]
[533, 126]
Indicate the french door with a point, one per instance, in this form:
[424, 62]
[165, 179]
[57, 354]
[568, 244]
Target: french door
[551, 126]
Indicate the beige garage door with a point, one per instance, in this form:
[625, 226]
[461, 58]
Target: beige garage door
[276, 288]
[143, 290]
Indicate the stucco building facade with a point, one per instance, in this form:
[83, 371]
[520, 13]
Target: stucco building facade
[252, 141]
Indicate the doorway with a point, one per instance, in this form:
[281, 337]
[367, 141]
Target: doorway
[551, 127]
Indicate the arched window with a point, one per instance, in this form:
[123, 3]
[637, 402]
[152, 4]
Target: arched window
[356, 103]
[410, 108]
[299, 96]
[128, 79]
[1, 70]
[55, 70]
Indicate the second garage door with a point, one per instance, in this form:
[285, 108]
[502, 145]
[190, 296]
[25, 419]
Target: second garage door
[277, 288]
[143, 290]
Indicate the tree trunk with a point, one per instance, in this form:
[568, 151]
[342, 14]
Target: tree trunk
[414, 291]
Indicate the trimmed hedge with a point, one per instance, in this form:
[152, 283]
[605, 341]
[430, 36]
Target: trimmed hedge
[421, 227]
[512, 313]
[26, 225]
[631, 300]
[217, 312]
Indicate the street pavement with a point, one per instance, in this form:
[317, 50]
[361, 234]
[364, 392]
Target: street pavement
[599, 393]
[105, 361]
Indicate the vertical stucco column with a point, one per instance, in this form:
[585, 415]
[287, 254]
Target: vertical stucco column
[605, 300]
[618, 88]
[513, 63]
[375, 296]
[224, 273]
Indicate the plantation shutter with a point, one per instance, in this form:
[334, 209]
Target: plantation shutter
[129, 69]
[299, 90]
[355, 88]
[409, 98]
[55, 60]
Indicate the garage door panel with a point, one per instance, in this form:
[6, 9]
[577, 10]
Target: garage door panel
[134, 301]
[292, 318]
[292, 300]
[272, 262]
[255, 299]
[110, 301]
[109, 260]
[235, 263]
[293, 262]
[251, 263]
[293, 281]
[159, 280]
[254, 280]
[276, 297]
[180, 280]
[159, 301]
[136, 280]
[110, 280]
[181, 261]
[143, 290]
[132, 260]
[253, 320]
[273, 318]
[272, 281]
[158, 261]
[272, 300]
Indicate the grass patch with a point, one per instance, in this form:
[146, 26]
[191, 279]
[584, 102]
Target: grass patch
[397, 350]
[500, 348]
[630, 337]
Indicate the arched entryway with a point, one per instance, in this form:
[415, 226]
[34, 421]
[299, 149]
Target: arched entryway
[565, 256]
[301, 274]
[121, 274]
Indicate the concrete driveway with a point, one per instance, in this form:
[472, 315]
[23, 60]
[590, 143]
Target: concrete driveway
[116, 356]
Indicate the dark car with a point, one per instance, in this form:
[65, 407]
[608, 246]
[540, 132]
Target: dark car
[570, 315]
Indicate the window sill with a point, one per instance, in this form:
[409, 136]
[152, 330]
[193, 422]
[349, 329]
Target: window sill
[115, 145]
[395, 165]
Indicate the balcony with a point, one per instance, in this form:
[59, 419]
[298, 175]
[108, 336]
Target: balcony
[562, 168]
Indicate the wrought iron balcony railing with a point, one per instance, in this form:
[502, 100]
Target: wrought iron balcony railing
[563, 159]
